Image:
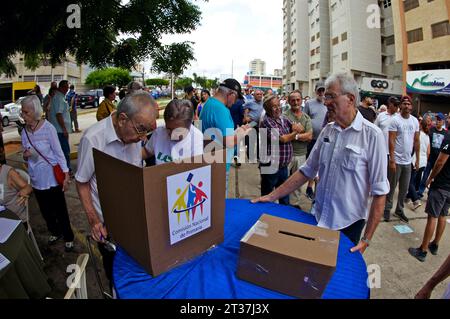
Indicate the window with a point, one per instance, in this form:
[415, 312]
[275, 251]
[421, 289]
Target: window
[344, 36]
[317, 50]
[312, 67]
[440, 29]
[28, 78]
[410, 4]
[313, 38]
[318, 35]
[415, 35]
[390, 40]
[335, 40]
[44, 78]
[345, 56]
[313, 52]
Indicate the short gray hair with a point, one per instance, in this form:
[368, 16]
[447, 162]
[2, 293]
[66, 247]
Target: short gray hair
[224, 90]
[134, 87]
[179, 110]
[133, 103]
[33, 102]
[347, 84]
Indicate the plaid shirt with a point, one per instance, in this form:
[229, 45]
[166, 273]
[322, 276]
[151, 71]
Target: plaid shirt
[275, 129]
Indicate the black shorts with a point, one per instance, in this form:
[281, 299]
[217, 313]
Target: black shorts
[438, 203]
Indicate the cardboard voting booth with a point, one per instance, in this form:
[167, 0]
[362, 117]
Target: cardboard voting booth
[163, 215]
[287, 256]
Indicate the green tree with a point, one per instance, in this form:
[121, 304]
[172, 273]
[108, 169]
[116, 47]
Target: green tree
[114, 76]
[41, 29]
[173, 59]
[157, 82]
[181, 83]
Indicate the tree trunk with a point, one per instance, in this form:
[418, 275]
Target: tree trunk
[172, 80]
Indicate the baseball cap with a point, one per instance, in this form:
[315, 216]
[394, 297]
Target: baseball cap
[440, 116]
[367, 94]
[234, 85]
[320, 85]
[406, 98]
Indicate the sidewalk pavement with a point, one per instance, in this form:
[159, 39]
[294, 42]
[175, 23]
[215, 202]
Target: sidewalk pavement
[401, 275]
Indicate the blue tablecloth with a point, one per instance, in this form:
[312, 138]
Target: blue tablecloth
[213, 274]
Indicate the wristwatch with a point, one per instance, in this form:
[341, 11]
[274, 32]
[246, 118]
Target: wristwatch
[297, 137]
[365, 240]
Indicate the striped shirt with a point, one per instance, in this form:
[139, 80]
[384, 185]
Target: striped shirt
[275, 129]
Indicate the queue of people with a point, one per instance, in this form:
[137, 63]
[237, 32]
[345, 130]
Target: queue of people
[326, 142]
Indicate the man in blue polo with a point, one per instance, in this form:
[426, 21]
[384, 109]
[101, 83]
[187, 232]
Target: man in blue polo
[217, 122]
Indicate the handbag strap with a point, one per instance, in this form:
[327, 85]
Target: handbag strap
[29, 140]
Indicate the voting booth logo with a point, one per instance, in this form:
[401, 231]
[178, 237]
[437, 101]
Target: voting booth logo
[189, 203]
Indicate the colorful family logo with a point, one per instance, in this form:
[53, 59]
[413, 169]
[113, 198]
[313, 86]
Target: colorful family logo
[195, 198]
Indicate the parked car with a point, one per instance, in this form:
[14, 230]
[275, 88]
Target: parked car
[92, 97]
[11, 112]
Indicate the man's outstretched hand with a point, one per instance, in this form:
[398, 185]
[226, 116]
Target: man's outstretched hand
[263, 199]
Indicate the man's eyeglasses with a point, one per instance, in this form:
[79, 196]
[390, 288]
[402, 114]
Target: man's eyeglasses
[330, 97]
[140, 132]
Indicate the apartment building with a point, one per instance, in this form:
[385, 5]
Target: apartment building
[422, 44]
[257, 67]
[339, 36]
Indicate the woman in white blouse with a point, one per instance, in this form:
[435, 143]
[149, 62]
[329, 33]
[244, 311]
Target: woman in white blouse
[42, 151]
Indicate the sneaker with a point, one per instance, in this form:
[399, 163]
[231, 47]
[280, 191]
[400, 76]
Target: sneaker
[68, 246]
[236, 162]
[387, 217]
[408, 201]
[433, 248]
[310, 193]
[418, 254]
[417, 204]
[402, 216]
[53, 239]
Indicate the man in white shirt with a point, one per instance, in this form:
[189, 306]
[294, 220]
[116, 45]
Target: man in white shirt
[384, 119]
[119, 135]
[350, 158]
[404, 136]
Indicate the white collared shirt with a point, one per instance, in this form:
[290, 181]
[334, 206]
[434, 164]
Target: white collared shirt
[103, 137]
[351, 164]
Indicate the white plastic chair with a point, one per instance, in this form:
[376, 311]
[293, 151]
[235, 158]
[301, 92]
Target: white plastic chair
[30, 233]
[78, 287]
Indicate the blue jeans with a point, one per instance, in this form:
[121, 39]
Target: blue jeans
[271, 181]
[416, 177]
[65, 148]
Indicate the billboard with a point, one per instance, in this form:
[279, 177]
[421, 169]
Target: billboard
[436, 82]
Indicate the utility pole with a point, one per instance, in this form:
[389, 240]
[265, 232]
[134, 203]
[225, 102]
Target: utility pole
[232, 68]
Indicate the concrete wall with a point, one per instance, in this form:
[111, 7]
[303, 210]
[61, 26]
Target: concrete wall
[429, 50]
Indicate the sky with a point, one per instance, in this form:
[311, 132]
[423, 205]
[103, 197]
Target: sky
[238, 31]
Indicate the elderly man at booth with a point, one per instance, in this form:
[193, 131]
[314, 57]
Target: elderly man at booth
[350, 158]
[119, 135]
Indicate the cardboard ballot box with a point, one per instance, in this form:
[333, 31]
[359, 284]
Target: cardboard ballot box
[163, 215]
[287, 256]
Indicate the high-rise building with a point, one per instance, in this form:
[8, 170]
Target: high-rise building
[322, 37]
[422, 42]
[257, 67]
